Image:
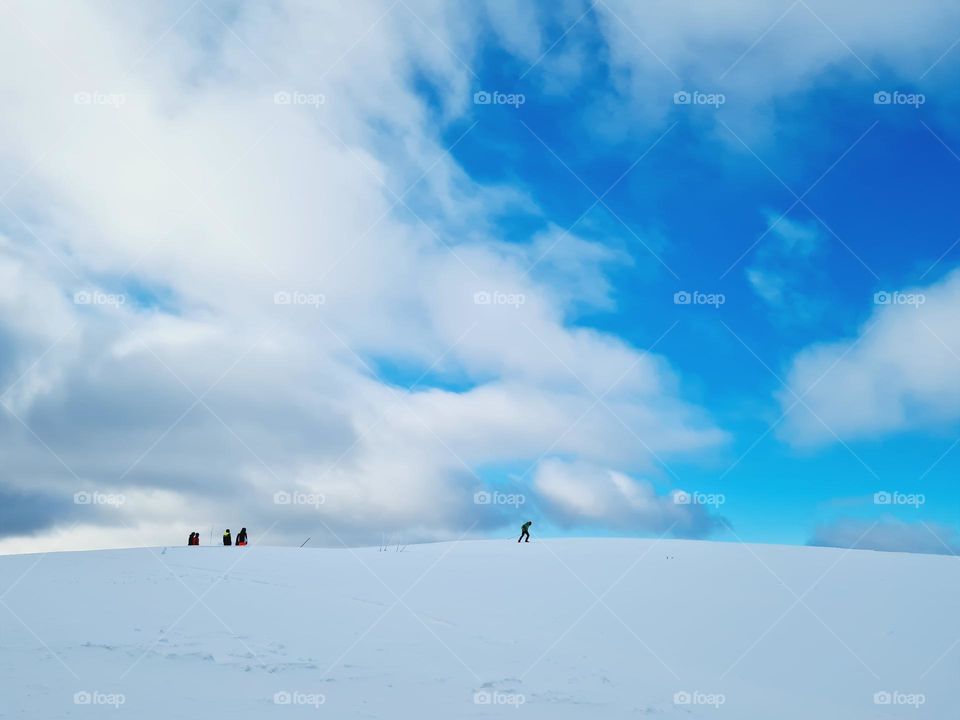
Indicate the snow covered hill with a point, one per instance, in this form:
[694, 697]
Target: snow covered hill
[573, 628]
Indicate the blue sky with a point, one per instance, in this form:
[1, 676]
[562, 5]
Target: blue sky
[244, 246]
[883, 216]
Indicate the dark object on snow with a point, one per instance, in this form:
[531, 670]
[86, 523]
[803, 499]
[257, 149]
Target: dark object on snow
[525, 531]
[226, 537]
[242, 537]
[190, 539]
[196, 539]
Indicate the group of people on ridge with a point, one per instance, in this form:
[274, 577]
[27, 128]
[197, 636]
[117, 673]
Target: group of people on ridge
[194, 538]
[241, 537]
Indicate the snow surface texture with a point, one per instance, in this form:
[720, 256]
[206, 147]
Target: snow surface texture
[571, 628]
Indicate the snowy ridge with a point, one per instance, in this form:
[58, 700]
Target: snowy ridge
[673, 629]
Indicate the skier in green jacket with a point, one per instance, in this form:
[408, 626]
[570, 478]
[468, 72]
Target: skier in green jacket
[525, 531]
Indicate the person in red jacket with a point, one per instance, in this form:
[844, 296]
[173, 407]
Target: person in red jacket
[242, 537]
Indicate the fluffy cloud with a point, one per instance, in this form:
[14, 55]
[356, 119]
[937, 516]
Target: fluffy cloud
[782, 266]
[888, 534]
[582, 494]
[757, 53]
[232, 207]
[902, 371]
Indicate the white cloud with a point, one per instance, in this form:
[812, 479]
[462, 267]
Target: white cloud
[902, 371]
[757, 52]
[888, 534]
[783, 265]
[517, 24]
[577, 493]
[200, 187]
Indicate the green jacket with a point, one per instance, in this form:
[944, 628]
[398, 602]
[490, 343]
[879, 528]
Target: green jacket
[526, 526]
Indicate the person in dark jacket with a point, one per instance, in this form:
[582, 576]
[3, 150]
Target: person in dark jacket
[196, 538]
[525, 531]
[242, 537]
[226, 537]
[190, 539]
